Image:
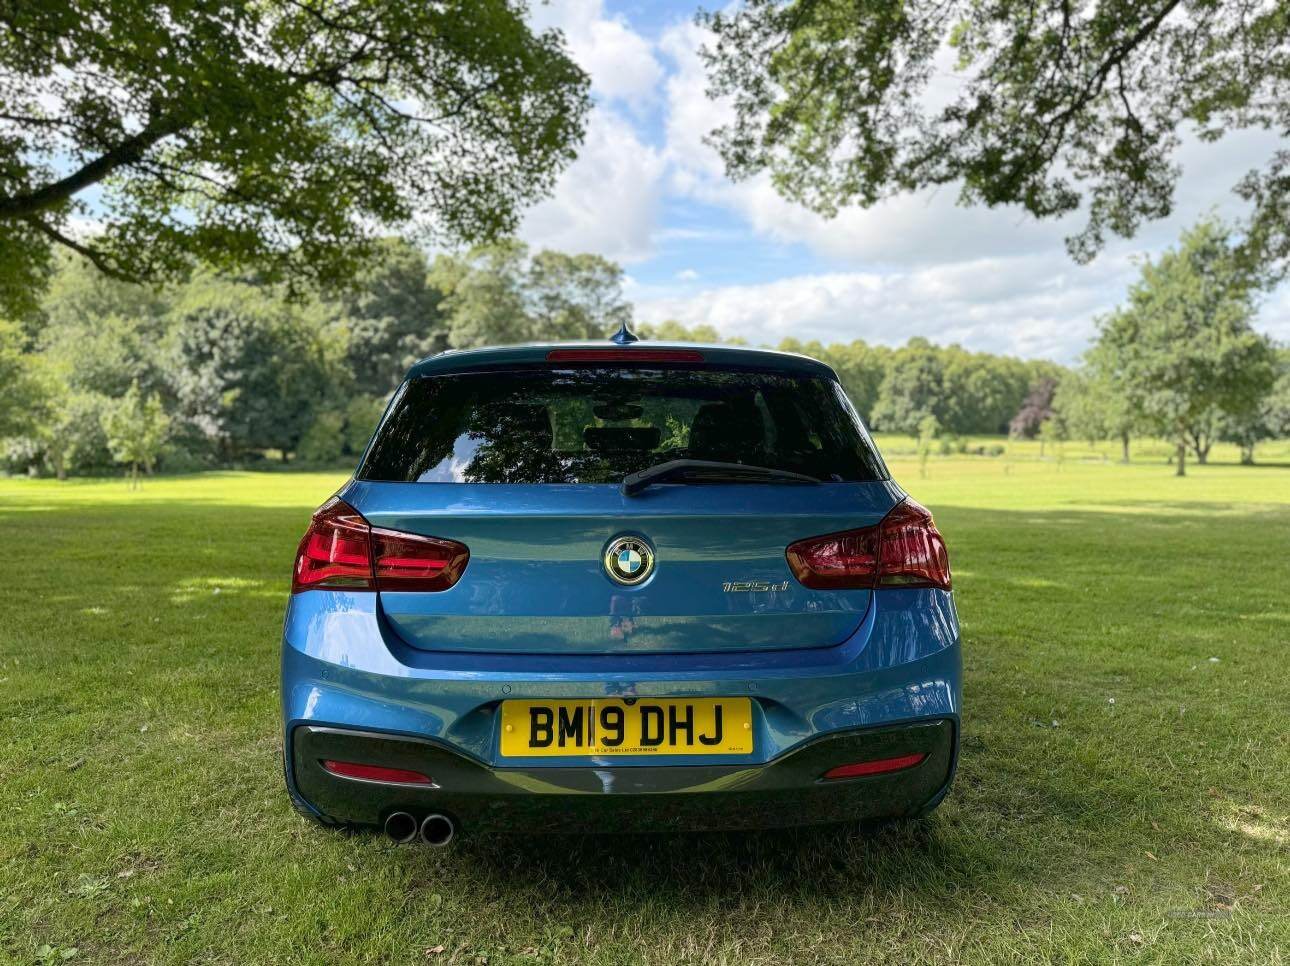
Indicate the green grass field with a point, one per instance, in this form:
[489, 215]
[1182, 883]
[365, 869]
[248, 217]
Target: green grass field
[1124, 792]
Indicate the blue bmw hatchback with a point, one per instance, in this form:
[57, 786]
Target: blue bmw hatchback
[619, 587]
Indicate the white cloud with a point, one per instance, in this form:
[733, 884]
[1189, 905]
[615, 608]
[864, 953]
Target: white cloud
[620, 61]
[687, 275]
[1027, 305]
[606, 201]
[691, 115]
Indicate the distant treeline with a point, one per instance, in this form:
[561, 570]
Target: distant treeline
[895, 390]
[226, 372]
[220, 372]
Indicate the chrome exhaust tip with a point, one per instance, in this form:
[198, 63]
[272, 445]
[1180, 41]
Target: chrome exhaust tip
[401, 827]
[438, 830]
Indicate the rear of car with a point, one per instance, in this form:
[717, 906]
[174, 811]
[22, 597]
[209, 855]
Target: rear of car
[580, 587]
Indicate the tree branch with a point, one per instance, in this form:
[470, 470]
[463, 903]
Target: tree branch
[127, 152]
[1094, 85]
[95, 256]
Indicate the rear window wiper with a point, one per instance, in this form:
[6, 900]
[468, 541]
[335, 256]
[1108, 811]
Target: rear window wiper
[707, 471]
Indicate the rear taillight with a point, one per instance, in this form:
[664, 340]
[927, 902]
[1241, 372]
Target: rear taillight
[336, 550]
[341, 551]
[405, 561]
[904, 550]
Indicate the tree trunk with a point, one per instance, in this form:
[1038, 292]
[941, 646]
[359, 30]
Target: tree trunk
[1247, 454]
[1181, 468]
[1202, 452]
[1124, 444]
[284, 456]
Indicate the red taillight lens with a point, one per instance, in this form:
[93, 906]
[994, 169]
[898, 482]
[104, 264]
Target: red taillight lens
[335, 551]
[405, 561]
[376, 773]
[878, 767]
[341, 551]
[624, 355]
[904, 550]
[913, 550]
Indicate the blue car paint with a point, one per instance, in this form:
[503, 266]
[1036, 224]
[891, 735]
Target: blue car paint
[344, 668]
[885, 657]
[537, 551]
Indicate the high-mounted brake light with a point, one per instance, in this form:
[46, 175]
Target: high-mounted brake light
[904, 550]
[341, 551]
[624, 355]
[376, 773]
[879, 766]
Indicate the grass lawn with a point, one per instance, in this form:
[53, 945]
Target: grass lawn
[1124, 792]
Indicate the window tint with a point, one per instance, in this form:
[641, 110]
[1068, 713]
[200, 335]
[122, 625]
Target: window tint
[596, 425]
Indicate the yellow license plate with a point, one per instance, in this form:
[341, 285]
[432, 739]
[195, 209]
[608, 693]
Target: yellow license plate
[613, 726]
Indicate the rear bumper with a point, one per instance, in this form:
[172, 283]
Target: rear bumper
[783, 792]
[349, 681]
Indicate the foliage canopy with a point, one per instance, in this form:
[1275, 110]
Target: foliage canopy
[1065, 103]
[278, 136]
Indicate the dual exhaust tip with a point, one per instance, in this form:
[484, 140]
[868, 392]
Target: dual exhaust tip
[435, 829]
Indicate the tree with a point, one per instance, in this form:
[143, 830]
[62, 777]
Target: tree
[982, 391]
[1269, 420]
[1036, 410]
[253, 370]
[484, 295]
[1052, 433]
[1064, 104]
[1098, 404]
[1184, 342]
[1079, 409]
[497, 294]
[928, 430]
[68, 431]
[670, 330]
[912, 389]
[279, 136]
[391, 317]
[576, 296]
[21, 389]
[136, 427]
[859, 367]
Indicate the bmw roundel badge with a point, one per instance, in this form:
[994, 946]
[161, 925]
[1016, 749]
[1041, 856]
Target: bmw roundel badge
[629, 561]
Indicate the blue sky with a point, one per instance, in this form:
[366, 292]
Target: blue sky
[648, 193]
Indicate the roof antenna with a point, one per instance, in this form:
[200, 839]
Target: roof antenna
[624, 335]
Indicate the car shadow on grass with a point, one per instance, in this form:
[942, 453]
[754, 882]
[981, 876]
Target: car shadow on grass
[794, 862]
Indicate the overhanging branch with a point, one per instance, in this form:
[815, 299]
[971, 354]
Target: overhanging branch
[95, 256]
[127, 152]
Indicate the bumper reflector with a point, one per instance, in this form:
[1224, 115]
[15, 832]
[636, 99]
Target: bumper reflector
[375, 773]
[878, 767]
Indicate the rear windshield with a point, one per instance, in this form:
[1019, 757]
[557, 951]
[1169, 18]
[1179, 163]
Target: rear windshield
[596, 425]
